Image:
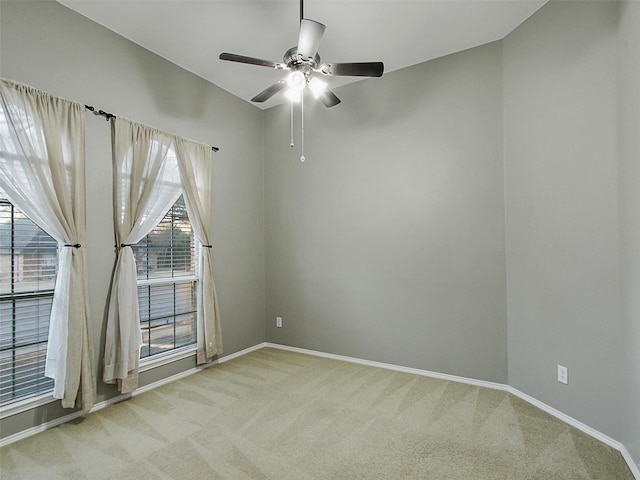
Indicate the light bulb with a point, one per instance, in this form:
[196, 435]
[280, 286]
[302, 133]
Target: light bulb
[296, 80]
[317, 87]
[293, 95]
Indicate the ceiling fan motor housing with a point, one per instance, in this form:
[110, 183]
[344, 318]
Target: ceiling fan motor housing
[295, 61]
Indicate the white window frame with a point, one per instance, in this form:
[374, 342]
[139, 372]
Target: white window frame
[162, 358]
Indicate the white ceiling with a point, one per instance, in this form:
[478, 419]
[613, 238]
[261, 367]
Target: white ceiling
[399, 33]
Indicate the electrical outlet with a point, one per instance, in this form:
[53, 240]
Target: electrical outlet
[279, 322]
[563, 374]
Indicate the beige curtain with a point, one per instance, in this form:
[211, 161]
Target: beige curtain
[194, 161]
[146, 185]
[42, 172]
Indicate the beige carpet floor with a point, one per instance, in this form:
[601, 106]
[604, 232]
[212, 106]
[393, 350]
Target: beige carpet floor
[279, 415]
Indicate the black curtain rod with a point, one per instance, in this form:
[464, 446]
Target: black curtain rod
[102, 113]
[108, 116]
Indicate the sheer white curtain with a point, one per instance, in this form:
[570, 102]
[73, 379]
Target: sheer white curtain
[42, 173]
[194, 161]
[146, 185]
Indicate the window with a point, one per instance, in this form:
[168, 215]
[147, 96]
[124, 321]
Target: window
[28, 264]
[167, 276]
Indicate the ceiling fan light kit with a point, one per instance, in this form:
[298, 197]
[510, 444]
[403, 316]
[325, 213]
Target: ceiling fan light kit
[303, 61]
[317, 87]
[296, 81]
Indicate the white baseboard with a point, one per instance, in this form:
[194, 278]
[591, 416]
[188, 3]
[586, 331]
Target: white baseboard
[39, 428]
[388, 366]
[416, 371]
[481, 383]
[120, 398]
[607, 440]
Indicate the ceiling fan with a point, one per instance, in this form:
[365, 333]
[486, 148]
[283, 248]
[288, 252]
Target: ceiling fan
[303, 61]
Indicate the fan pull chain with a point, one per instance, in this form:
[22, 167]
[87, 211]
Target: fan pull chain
[302, 159]
[291, 144]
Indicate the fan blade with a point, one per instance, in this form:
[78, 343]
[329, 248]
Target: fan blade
[328, 98]
[359, 69]
[269, 92]
[232, 57]
[311, 33]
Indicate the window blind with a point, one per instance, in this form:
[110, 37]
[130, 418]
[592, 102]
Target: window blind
[167, 276]
[28, 267]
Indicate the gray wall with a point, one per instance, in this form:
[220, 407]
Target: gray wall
[563, 279]
[388, 242]
[629, 175]
[56, 50]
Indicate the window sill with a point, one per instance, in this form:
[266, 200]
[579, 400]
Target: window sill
[160, 359]
[25, 405]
